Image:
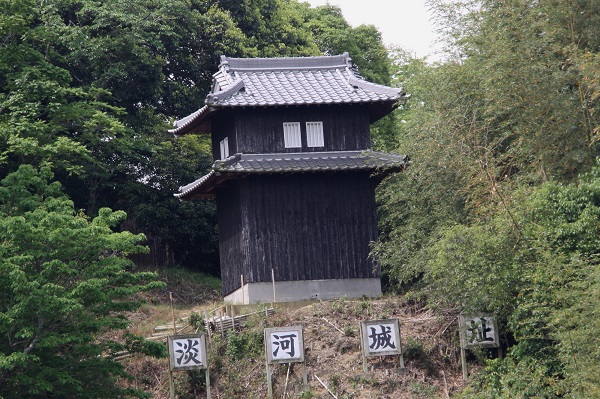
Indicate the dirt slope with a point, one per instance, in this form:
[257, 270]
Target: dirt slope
[333, 356]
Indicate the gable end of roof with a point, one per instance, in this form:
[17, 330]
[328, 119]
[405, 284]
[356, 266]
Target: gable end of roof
[235, 87]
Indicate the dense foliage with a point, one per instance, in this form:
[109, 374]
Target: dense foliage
[499, 210]
[64, 281]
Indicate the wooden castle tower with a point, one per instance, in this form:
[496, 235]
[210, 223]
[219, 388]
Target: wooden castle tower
[293, 176]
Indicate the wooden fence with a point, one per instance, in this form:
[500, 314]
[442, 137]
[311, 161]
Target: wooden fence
[160, 254]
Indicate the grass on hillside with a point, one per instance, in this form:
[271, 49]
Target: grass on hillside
[332, 347]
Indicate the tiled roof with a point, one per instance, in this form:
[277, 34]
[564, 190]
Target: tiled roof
[244, 82]
[241, 165]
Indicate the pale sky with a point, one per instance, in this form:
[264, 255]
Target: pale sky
[406, 23]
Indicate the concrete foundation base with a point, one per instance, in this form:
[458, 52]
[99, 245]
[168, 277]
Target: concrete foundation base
[304, 290]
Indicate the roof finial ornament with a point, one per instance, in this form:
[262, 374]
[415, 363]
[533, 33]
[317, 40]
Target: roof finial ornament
[348, 59]
[224, 63]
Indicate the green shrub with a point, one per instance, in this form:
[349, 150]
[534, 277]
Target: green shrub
[245, 344]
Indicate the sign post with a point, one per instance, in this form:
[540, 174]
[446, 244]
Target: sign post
[284, 345]
[477, 331]
[381, 338]
[187, 352]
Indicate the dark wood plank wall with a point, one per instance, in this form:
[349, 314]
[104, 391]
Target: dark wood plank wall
[223, 125]
[232, 257]
[260, 130]
[304, 226]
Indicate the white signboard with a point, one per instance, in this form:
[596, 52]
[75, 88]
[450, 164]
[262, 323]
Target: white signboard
[381, 337]
[187, 352]
[284, 344]
[478, 331]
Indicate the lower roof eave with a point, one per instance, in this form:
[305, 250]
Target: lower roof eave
[208, 191]
[378, 165]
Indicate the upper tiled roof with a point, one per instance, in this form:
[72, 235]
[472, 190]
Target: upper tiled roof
[240, 165]
[243, 82]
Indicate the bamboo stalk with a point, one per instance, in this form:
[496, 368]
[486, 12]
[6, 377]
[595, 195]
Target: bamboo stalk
[333, 325]
[325, 386]
[287, 376]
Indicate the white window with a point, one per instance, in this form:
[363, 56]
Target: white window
[291, 135]
[225, 148]
[314, 134]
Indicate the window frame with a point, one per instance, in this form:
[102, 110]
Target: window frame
[292, 135]
[224, 148]
[314, 134]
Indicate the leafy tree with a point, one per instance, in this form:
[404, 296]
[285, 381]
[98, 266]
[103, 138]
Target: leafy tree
[536, 103]
[334, 35]
[274, 28]
[566, 219]
[494, 213]
[432, 193]
[475, 269]
[41, 114]
[65, 280]
[86, 89]
[193, 235]
[574, 325]
[48, 114]
[511, 109]
[412, 206]
[149, 54]
[552, 317]
[201, 35]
